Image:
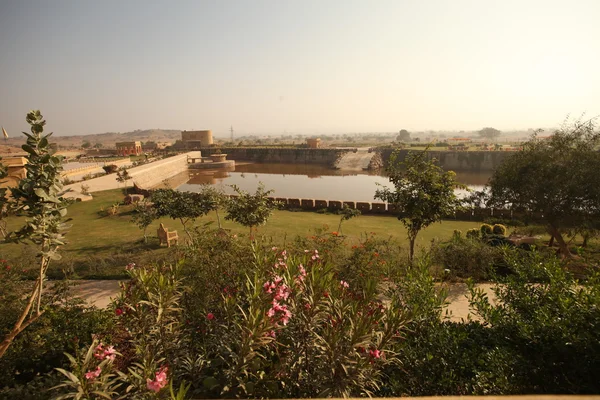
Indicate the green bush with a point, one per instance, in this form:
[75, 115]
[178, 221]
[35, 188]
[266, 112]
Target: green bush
[485, 229]
[465, 258]
[499, 229]
[473, 233]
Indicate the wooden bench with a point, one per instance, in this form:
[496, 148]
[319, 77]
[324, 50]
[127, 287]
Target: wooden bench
[166, 236]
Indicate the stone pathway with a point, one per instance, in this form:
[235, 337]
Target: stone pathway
[100, 293]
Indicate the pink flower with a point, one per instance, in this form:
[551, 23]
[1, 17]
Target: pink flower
[130, 267]
[271, 334]
[210, 316]
[269, 287]
[110, 353]
[283, 292]
[118, 312]
[375, 353]
[274, 248]
[307, 306]
[344, 284]
[91, 375]
[99, 354]
[159, 382]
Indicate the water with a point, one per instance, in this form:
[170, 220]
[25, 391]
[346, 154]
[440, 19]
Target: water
[307, 181]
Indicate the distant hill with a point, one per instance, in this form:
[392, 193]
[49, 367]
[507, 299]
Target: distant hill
[107, 139]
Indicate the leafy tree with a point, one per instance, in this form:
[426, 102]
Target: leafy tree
[489, 133]
[184, 206]
[423, 193]
[86, 144]
[214, 199]
[98, 145]
[250, 210]
[347, 213]
[144, 216]
[123, 176]
[403, 136]
[37, 199]
[553, 180]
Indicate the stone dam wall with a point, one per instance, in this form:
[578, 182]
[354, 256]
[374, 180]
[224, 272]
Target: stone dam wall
[475, 161]
[280, 155]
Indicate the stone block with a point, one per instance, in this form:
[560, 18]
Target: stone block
[350, 204]
[283, 201]
[307, 204]
[379, 208]
[294, 203]
[319, 204]
[133, 198]
[364, 207]
[335, 205]
[392, 209]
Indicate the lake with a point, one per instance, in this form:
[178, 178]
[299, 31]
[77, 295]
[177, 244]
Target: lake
[307, 181]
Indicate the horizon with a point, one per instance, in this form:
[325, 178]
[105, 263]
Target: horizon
[298, 68]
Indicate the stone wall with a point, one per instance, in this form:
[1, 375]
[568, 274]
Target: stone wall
[476, 215]
[280, 155]
[476, 161]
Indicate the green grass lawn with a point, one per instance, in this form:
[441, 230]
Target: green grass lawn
[97, 242]
[92, 232]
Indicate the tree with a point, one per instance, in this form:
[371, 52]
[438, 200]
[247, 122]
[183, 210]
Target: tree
[214, 198]
[250, 210]
[98, 145]
[86, 144]
[184, 206]
[123, 176]
[347, 213]
[553, 180]
[423, 193]
[143, 217]
[489, 133]
[37, 199]
[403, 136]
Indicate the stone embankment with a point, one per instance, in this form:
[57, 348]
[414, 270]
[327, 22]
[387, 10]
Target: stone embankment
[358, 160]
[478, 214]
[475, 161]
[144, 176]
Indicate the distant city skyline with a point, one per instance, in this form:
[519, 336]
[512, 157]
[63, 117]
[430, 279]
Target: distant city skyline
[309, 67]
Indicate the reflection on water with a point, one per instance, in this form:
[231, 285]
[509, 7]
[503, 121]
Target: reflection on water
[306, 181]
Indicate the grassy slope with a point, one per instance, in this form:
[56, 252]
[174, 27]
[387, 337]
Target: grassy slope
[93, 233]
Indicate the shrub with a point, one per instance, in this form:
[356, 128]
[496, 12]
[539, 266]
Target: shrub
[473, 233]
[110, 169]
[465, 258]
[499, 229]
[547, 332]
[456, 234]
[486, 229]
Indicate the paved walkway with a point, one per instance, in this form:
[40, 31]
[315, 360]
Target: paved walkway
[100, 292]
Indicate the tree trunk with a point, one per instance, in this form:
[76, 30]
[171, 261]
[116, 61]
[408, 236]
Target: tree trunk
[563, 248]
[586, 236]
[21, 323]
[340, 228]
[411, 247]
[551, 242]
[145, 235]
[251, 233]
[218, 218]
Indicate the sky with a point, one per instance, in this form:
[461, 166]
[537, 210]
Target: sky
[311, 66]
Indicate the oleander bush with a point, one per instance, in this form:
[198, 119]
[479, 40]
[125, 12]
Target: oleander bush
[321, 317]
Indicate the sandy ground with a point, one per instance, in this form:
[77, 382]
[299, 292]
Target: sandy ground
[100, 293]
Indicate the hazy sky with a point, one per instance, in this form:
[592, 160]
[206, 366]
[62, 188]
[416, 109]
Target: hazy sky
[302, 66]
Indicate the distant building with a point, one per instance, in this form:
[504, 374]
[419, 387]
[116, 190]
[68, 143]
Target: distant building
[129, 148]
[16, 170]
[156, 145]
[313, 143]
[193, 139]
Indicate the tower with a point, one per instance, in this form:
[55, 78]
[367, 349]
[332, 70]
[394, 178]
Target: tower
[231, 130]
